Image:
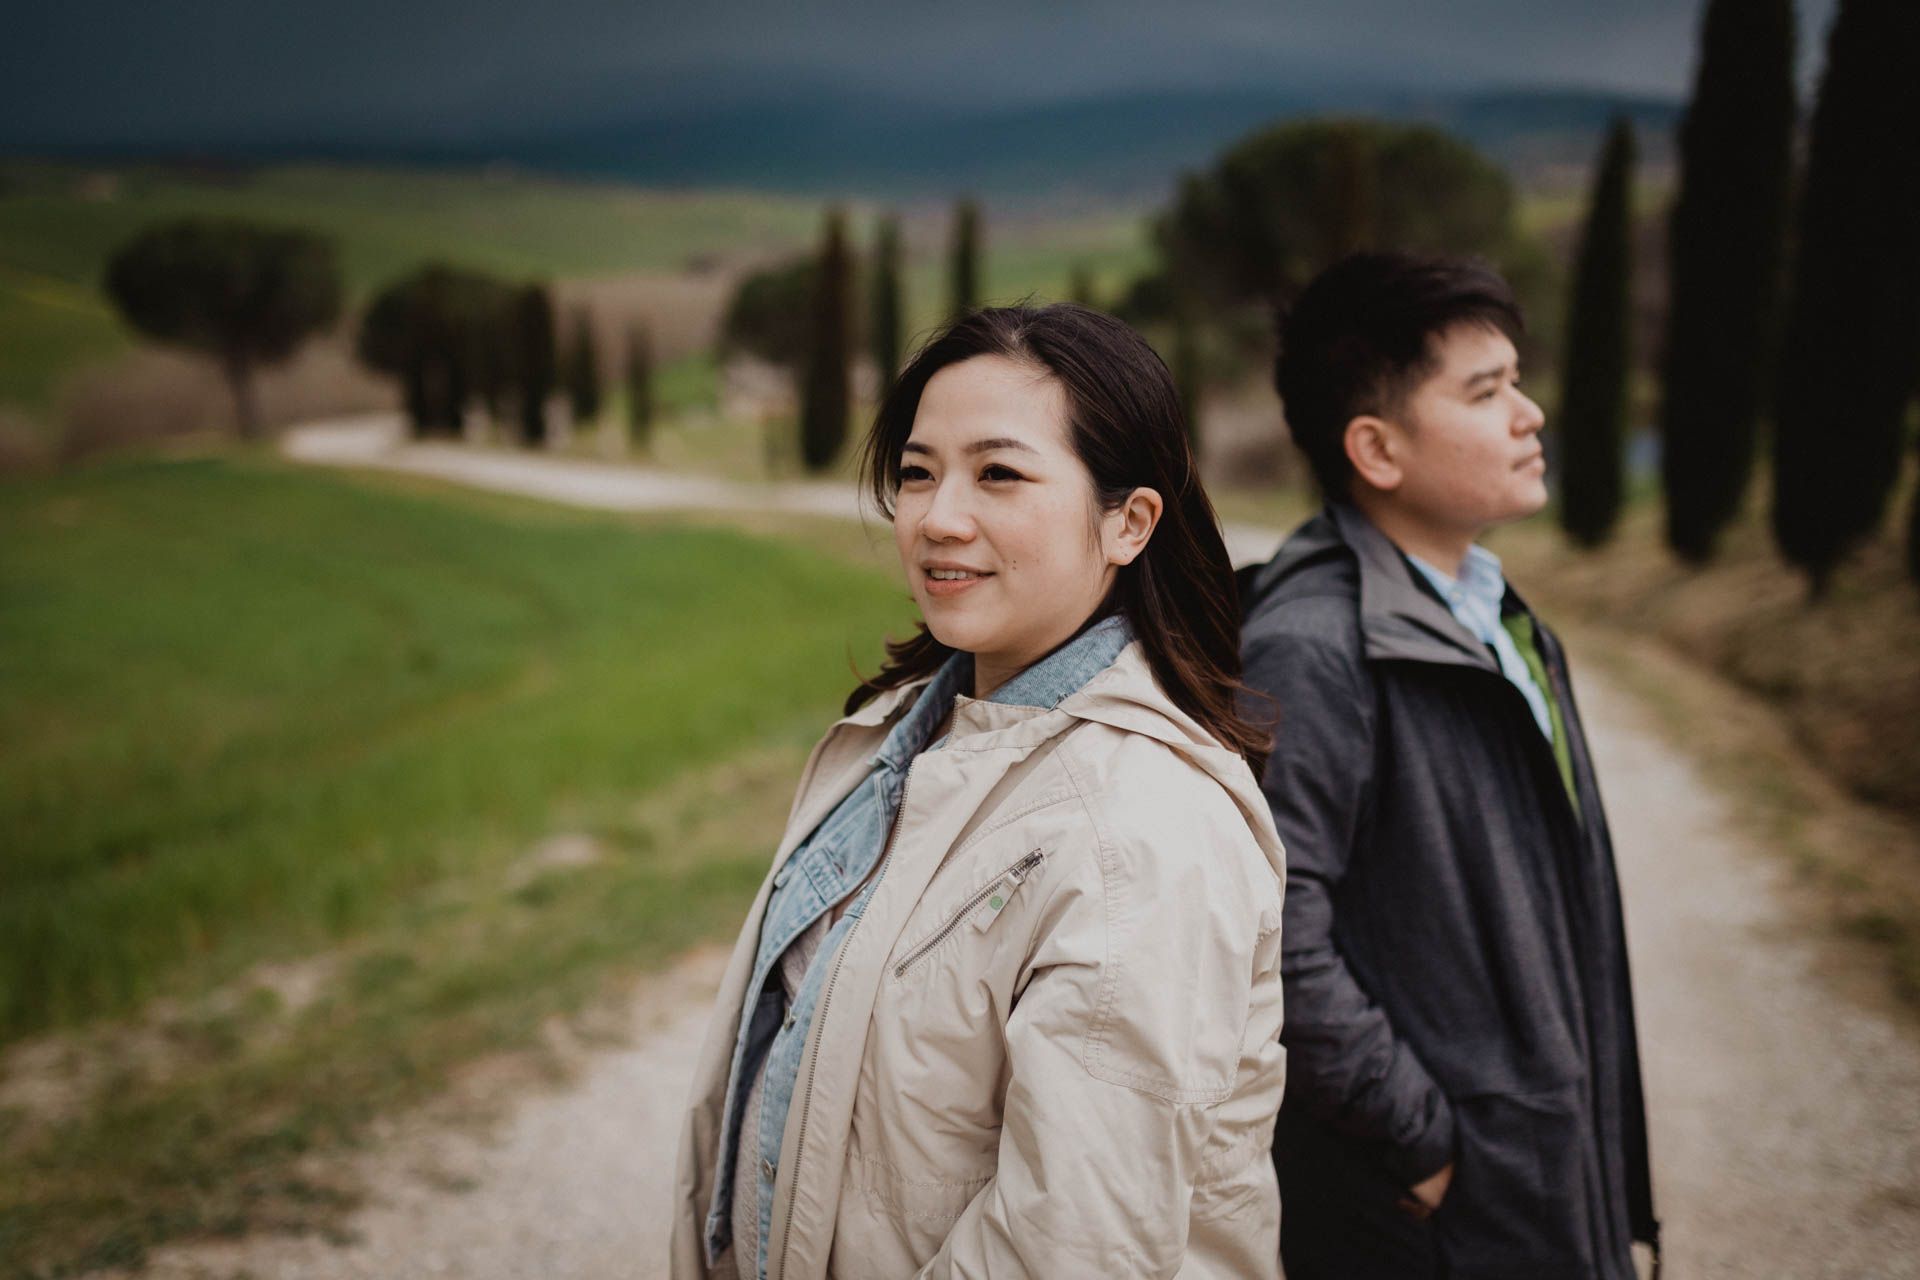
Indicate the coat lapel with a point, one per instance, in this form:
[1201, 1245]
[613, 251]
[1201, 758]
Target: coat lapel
[1398, 620]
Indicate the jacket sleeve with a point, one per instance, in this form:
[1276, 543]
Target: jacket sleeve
[1128, 1035]
[1343, 1058]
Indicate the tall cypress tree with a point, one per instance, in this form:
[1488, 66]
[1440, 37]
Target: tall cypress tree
[1080, 285]
[1853, 312]
[1187, 371]
[1726, 243]
[1913, 536]
[1593, 402]
[583, 370]
[825, 398]
[966, 257]
[534, 361]
[884, 320]
[639, 384]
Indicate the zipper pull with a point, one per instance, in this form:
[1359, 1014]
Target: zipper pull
[1022, 869]
[1003, 890]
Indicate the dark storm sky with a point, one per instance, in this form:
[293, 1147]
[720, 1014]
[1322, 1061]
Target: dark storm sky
[143, 71]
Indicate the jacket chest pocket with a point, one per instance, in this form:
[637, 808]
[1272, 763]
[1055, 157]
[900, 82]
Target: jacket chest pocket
[976, 912]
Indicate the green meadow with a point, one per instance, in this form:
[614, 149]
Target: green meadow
[263, 720]
[247, 708]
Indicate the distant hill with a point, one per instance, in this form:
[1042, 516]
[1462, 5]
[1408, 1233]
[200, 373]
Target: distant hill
[1115, 145]
[1119, 144]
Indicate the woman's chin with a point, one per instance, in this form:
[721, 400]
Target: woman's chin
[949, 633]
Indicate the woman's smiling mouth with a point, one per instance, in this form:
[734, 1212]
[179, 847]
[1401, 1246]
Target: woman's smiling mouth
[950, 580]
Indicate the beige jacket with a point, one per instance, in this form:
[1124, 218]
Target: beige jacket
[1078, 1081]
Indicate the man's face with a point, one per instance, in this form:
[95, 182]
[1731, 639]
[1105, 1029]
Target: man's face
[1467, 440]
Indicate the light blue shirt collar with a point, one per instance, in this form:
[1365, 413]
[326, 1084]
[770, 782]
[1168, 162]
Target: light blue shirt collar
[1474, 599]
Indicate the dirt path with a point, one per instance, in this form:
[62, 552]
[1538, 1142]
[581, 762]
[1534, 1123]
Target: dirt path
[1785, 1114]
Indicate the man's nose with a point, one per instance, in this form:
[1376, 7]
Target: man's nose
[1530, 416]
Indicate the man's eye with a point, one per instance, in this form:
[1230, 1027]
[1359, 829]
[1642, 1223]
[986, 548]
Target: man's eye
[994, 471]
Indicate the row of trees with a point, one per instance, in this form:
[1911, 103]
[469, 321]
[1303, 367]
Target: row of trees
[1240, 238]
[1828, 348]
[249, 296]
[458, 340]
[810, 315]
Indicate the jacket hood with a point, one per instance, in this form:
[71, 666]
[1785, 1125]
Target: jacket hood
[1127, 696]
[1400, 620]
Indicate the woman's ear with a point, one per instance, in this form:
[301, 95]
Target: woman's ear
[1126, 529]
[1372, 448]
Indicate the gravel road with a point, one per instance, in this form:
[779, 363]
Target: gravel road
[1785, 1113]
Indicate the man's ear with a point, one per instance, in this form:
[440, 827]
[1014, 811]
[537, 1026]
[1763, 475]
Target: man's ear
[1373, 447]
[1129, 526]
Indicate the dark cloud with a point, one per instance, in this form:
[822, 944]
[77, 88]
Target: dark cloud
[139, 71]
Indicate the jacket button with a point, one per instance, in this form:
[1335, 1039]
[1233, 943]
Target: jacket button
[766, 1167]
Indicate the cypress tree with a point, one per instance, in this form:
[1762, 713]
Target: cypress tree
[1593, 402]
[1080, 285]
[1186, 371]
[1913, 536]
[885, 320]
[533, 359]
[639, 385]
[583, 370]
[825, 398]
[966, 257]
[1726, 239]
[1853, 311]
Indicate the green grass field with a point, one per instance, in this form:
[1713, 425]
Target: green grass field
[247, 707]
[259, 718]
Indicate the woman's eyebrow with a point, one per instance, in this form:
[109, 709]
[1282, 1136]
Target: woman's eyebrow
[978, 446]
[1000, 442]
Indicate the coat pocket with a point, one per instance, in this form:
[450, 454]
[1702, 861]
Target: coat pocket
[978, 911]
[1518, 1207]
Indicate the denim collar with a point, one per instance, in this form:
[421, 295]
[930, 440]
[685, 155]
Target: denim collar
[1045, 684]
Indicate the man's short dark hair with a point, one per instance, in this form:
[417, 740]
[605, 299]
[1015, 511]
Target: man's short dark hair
[1360, 338]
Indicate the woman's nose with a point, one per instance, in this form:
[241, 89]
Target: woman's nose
[948, 518]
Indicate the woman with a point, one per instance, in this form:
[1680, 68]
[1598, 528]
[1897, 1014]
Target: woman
[1009, 1001]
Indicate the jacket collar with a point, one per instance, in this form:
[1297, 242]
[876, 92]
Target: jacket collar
[1399, 619]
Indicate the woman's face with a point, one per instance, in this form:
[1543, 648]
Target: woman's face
[996, 522]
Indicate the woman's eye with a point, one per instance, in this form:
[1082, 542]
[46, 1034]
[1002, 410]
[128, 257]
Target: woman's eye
[994, 471]
[909, 474]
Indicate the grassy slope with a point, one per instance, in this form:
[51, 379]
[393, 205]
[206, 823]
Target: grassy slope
[262, 719]
[249, 706]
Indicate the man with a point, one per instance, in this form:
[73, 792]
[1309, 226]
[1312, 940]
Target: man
[1464, 1092]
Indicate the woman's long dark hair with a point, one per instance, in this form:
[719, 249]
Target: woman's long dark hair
[1127, 427]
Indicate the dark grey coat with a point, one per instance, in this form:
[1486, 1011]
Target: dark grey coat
[1454, 958]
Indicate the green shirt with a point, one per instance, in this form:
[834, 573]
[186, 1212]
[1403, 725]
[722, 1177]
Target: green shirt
[1527, 640]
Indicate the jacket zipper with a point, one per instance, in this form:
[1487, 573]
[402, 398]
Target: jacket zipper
[1018, 871]
[826, 998]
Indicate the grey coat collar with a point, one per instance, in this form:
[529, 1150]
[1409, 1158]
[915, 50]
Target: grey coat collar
[1399, 620]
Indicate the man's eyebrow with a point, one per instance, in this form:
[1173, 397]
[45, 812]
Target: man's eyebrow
[1485, 374]
[978, 446]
